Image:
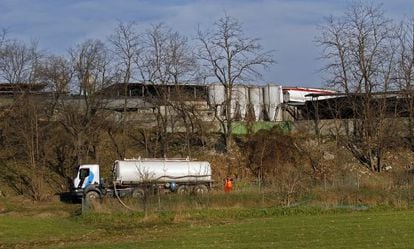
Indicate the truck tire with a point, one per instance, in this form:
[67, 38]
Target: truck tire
[182, 190]
[200, 189]
[138, 193]
[92, 196]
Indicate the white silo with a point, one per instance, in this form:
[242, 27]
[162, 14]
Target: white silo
[256, 100]
[239, 101]
[273, 98]
[216, 97]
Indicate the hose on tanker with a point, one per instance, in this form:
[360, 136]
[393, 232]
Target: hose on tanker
[179, 177]
[119, 199]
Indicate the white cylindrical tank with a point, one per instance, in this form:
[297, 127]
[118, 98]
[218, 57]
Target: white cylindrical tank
[216, 94]
[216, 97]
[256, 100]
[273, 98]
[161, 170]
[239, 101]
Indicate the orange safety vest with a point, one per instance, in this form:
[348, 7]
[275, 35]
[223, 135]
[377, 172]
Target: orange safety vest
[228, 185]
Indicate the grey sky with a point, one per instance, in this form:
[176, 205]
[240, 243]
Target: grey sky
[288, 27]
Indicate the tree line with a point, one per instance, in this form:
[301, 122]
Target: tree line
[368, 55]
[44, 138]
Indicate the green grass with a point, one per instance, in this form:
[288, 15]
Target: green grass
[37, 230]
[215, 228]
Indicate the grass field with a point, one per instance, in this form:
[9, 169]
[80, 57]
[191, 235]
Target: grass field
[302, 227]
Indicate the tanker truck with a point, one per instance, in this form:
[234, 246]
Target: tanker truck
[137, 177]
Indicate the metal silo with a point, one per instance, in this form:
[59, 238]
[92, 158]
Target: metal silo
[256, 100]
[239, 101]
[216, 97]
[273, 98]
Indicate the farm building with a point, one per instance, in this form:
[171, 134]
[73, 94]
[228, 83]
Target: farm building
[269, 103]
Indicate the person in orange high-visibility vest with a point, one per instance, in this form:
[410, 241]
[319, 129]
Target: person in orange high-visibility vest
[228, 184]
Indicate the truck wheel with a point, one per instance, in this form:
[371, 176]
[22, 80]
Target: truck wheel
[200, 189]
[182, 190]
[138, 193]
[92, 196]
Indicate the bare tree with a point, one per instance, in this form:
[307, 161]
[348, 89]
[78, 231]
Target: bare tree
[164, 62]
[21, 121]
[230, 58]
[125, 47]
[3, 38]
[56, 72]
[85, 116]
[90, 62]
[18, 61]
[183, 68]
[405, 72]
[24, 137]
[359, 48]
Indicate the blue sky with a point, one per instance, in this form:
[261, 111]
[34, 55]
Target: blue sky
[288, 27]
